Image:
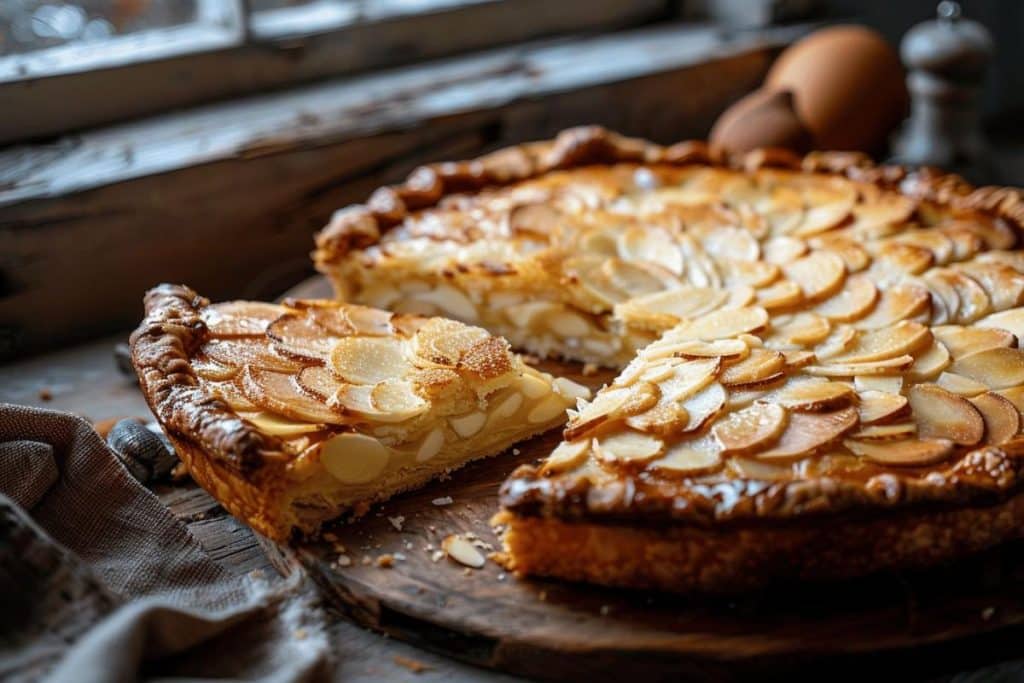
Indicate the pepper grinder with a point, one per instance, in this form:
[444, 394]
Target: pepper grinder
[946, 59]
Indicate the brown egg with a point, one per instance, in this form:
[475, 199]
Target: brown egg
[764, 118]
[848, 87]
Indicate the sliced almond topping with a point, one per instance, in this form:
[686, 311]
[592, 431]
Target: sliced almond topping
[297, 335]
[246, 351]
[212, 370]
[354, 458]
[880, 406]
[612, 404]
[279, 393]
[444, 342]
[664, 309]
[240, 318]
[727, 349]
[721, 324]
[888, 342]
[398, 398]
[688, 458]
[928, 365]
[853, 302]
[757, 274]
[704, 406]
[368, 360]
[628, 446]
[807, 433]
[798, 359]
[974, 301]
[1012, 321]
[890, 384]
[815, 396]
[632, 278]
[840, 339]
[820, 274]
[462, 551]
[275, 425]
[594, 282]
[759, 470]
[888, 366]
[759, 366]
[941, 414]
[799, 330]
[736, 244]
[371, 322]
[781, 294]
[963, 341]
[909, 453]
[665, 418]
[231, 393]
[567, 456]
[897, 302]
[783, 249]
[999, 368]
[750, 429]
[820, 218]
[960, 385]
[688, 378]
[1002, 420]
[651, 244]
[318, 382]
[885, 432]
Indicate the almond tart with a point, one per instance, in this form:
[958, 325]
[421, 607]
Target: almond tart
[293, 414]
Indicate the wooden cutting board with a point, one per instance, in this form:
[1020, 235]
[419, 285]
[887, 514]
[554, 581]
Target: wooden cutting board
[943, 620]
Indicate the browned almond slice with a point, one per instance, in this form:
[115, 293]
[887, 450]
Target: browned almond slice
[651, 244]
[965, 243]
[750, 429]
[275, 425]
[1014, 396]
[886, 209]
[783, 249]
[820, 218]
[815, 396]
[318, 382]
[759, 366]
[999, 368]
[903, 338]
[727, 349]
[613, 404]
[664, 418]
[1003, 285]
[960, 385]
[688, 458]
[892, 261]
[1002, 419]
[743, 397]
[671, 306]
[688, 378]
[210, 369]
[371, 322]
[279, 393]
[797, 359]
[567, 455]
[240, 318]
[759, 470]
[368, 360]
[354, 458]
[897, 302]
[941, 414]
[974, 301]
[909, 453]
[735, 244]
[885, 432]
[853, 302]
[704, 406]
[781, 294]
[854, 256]
[840, 339]
[721, 324]
[964, 341]
[245, 351]
[890, 384]
[880, 406]
[297, 335]
[934, 241]
[632, 278]
[740, 296]
[1011, 321]
[335, 321]
[594, 283]
[807, 433]
[820, 274]
[994, 232]
[755, 274]
[628, 447]
[398, 398]
[231, 393]
[888, 366]
[443, 342]
[944, 294]
[928, 365]
[799, 330]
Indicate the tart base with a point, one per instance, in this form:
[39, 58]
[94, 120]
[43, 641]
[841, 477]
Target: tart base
[685, 559]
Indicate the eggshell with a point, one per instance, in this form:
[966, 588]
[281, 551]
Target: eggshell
[848, 86]
[764, 118]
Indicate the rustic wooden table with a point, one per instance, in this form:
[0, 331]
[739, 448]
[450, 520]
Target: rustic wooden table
[84, 380]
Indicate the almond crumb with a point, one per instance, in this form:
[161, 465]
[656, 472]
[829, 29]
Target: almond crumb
[397, 521]
[437, 555]
[462, 551]
[344, 561]
[516, 451]
[605, 610]
[367, 559]
[412, 665]
[444, 500]
[589, 369]
[386, 561]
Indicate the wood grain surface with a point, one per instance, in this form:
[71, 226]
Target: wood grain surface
[553, 630]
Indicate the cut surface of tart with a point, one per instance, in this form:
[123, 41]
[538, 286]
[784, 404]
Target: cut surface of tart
[293, 414]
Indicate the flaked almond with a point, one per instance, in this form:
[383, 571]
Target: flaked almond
[759, 366]
[780, 294]
[248, 351]
[704, 406]
[240, 318]
[566, 456]
[929, 364]
[907, 453]
[852, 303]
[297, 335]
[897, 302]
[815, 396]
[612, 404]
[279, 393]
[960, 385]
[885, 432]
[1002, 420]
[721, 324]
[998, 368]
[688, 458]
[807, 433]
[753, 428]
[880, 406]
[903, 338]
[889, 366]
[941, 414]
[1011, 321]
[369, 360]
[820, 274]
[628, 446]
[463, 551]
[797, 331]
[889, 384]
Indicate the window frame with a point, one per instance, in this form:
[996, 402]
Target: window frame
[170, 68]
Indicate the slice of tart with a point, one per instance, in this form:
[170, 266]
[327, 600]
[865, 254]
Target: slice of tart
[293, 414]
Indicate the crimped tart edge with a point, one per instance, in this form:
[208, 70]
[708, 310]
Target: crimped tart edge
[362, 225]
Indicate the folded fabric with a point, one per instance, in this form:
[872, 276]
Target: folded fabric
[99, 581]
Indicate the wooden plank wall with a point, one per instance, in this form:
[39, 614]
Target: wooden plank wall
[87, 224]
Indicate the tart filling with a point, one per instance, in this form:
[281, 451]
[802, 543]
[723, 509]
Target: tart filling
[352, 404]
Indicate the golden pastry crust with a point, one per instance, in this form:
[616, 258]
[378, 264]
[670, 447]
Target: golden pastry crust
[293, 414]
